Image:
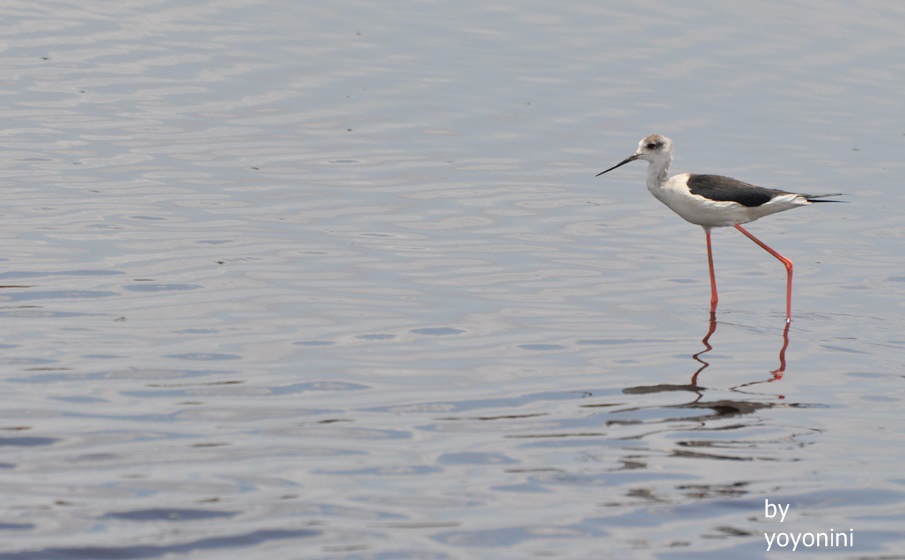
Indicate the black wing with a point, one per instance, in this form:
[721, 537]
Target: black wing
[727, 189]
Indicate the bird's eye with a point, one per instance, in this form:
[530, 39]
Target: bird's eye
[653, 145]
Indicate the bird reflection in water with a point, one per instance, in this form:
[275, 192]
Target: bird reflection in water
[722, 407]
[777, 373]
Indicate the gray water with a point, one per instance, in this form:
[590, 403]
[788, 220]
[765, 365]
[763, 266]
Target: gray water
[337, 281]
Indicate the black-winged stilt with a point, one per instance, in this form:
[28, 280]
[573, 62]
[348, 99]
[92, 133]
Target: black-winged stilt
[715, 201]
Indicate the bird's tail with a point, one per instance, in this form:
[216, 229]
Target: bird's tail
[821, 197]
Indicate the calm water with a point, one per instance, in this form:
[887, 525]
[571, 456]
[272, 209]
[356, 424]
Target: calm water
[337, 281]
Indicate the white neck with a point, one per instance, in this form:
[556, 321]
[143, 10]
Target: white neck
[657, 172]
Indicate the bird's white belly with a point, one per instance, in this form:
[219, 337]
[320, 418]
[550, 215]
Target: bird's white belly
[699, 210]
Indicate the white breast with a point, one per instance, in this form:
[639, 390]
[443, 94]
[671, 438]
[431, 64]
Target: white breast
[699, 210]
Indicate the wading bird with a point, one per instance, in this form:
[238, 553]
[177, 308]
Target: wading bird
[715, 201]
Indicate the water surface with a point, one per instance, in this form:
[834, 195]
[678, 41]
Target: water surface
[293, 280]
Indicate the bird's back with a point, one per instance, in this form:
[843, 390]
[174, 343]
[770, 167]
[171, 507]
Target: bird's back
[717, 201]
[720, 188]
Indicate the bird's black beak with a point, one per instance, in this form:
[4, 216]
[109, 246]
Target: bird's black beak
[620, 164]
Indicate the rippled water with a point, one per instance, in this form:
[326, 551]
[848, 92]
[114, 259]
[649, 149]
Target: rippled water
[300, 280]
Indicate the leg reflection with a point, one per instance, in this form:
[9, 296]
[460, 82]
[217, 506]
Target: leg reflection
[707, 348]
[777, 373]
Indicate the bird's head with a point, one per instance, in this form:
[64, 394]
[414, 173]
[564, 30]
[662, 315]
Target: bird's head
[653, 148]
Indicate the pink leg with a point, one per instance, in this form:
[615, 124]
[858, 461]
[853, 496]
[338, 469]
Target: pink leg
[783, 260]
[714, 298]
